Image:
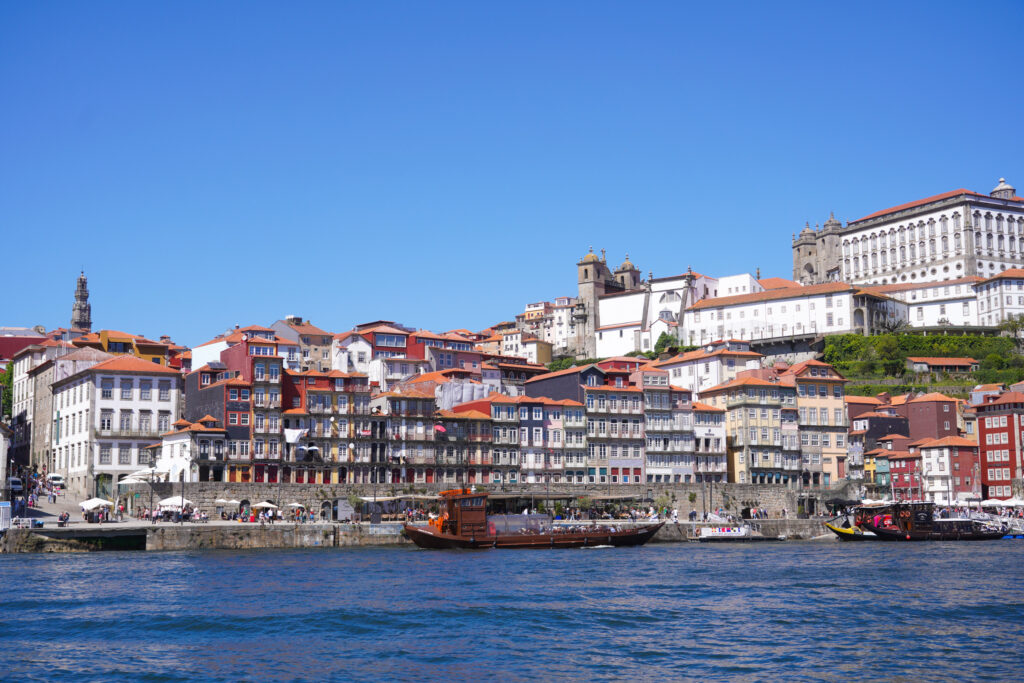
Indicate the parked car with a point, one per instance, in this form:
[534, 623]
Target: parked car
[15, 485]
[56, 481]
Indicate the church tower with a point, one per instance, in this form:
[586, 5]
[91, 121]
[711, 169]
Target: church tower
[81, 311]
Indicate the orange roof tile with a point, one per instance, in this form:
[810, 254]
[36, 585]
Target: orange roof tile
[942, 361]
[132, 364]
[698, 406]
[890, 437]
[777, 283]
[934, 396]
[773, 294]
[919, 202]
[868, 400]
[950, 441]
[1011, 272]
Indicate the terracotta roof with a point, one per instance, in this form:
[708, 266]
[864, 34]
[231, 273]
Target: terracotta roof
[906, 286]
[180, 423]
[385, 329]
[698, 406]
[919, 202]
[773, 294]
[1011, 272]
[777, 283]
[868, 400]
[858, 432]
[873, 414]
[903, 455]
[207, 418]
[988, 387]
[920, 441]
[941, 361]
[1007, 398]
[307, 328]
[743, 382]
[700, 354]
[950, 441]
[132, 364]
[890, 437]
[934, 396]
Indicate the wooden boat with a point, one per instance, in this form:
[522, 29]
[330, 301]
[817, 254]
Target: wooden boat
[916, 522]
[464, 523]
[732, 534]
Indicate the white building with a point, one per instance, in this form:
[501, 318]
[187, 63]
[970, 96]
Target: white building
[1000, 297]
[105, 417]
[351, 352]
[938, 304]
[710, 454]
[23, 397]
[707, 367]
[830, 308]
[944, 237]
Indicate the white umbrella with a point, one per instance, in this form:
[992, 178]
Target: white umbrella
[221, 500]
[174, 502]
[1014, 502]
[296, 505]
[265, 504]
[94, 503]
[234, 502]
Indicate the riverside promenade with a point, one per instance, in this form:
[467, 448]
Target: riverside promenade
[134, 534]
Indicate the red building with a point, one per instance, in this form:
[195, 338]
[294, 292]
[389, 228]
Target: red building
[931, 416]
[1000, 437]
[905, 472]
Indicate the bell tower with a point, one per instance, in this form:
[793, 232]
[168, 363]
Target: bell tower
[81, 311]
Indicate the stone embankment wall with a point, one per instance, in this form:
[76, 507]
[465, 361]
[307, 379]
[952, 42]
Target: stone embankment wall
[732, 497]
[273, 536]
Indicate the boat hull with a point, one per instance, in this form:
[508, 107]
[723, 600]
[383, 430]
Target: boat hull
[427, 537]
[851, 534]
[900, 535]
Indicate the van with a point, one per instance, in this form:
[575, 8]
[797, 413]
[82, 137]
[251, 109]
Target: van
[56, 481]
[14, 484]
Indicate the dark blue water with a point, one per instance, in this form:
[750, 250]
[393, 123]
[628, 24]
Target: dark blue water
[663, 612]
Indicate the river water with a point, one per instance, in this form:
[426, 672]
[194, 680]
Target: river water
[796, 611]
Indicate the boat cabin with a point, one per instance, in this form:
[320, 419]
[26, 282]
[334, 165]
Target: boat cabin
[464, 513]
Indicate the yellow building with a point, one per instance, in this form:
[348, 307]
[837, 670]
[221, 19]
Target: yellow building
[821, 406]
[122, 343]
[761, 430]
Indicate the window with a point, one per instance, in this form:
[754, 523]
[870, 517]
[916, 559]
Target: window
[126, 388]
[146, 390]
[165, 390]
[124, 454]
[106, 388]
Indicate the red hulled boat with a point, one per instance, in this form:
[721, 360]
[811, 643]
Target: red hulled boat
[464, 523]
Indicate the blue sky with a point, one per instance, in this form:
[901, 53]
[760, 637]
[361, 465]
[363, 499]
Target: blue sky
[442, 164]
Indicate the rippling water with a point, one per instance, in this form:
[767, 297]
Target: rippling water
[810, 611]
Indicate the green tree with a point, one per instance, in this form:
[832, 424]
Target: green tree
[664, 341]
[6, 391]
[1013, 326]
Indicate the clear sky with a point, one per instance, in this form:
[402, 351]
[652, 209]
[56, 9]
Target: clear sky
[442, 164]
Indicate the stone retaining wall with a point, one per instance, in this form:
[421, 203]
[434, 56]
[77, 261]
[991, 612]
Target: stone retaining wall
[732, 497]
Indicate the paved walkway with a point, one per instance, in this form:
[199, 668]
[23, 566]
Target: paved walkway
[48, 513]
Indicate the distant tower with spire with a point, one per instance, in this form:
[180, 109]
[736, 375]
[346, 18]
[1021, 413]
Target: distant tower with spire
[81, 311]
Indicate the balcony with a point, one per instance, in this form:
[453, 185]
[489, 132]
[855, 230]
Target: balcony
[266, 402]
[126, 433]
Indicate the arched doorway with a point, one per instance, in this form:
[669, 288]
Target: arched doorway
[326, 511]
[104, 486]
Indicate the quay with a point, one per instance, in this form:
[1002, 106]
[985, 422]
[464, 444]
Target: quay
[219, 535]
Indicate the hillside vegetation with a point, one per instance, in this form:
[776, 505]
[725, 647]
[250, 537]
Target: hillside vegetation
[884, 357]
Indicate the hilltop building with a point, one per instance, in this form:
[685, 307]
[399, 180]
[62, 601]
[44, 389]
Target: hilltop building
[947, 236]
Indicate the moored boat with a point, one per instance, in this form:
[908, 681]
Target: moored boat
[917, 522]
[464, 523]
[732, 534]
